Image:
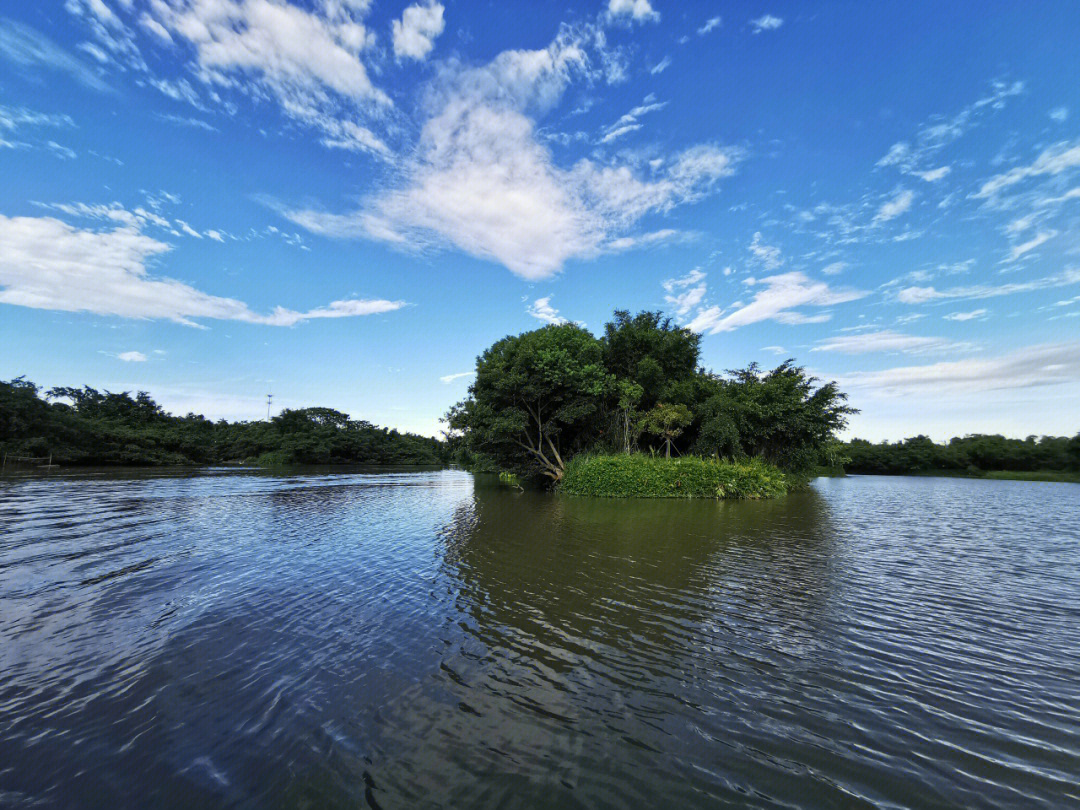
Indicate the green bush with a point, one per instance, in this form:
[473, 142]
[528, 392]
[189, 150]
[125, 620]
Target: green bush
[641, 476]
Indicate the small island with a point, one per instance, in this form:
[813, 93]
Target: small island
[633, 414]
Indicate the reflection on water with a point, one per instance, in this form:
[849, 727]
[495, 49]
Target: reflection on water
[407, 639]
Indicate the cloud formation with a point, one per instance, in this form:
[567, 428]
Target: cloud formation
[415, 33]
[49, 264]
[1041, 365]
[777, 299]
[481, 180]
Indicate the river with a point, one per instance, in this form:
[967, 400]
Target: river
[427, 639]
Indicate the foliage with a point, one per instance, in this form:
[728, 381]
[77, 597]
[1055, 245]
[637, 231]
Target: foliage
[541, 397]
[648, 350]
[667, 422]
[86, 426]
[535, 400]
[642, 476]
[779, 415]
[974, 454]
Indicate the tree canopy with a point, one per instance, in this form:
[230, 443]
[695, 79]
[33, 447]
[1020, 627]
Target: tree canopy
[543, 396]
[87, 426]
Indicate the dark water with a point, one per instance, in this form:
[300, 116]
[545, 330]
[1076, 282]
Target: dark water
[423, 640]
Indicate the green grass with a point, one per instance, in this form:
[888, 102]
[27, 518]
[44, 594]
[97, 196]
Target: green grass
[641, 476]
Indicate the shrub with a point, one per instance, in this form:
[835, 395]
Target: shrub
[640, 476]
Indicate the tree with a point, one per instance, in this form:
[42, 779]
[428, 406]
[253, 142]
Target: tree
[667, 422]
[650, 350]
[630, 394]
[535, 400]
[782, 415]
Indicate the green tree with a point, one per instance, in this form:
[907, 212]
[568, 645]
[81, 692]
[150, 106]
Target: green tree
[536, 400]
[650, 350]
[667, 422]
[630, 394]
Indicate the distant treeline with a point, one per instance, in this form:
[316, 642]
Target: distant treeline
[83, 426]
[971, 454]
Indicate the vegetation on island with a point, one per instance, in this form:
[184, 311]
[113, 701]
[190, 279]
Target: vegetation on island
[1054, 458]
[83, 426]
[553, 403]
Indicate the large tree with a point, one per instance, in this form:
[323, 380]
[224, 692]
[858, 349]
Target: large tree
[650, 350]
[786, 416]
[536, 399]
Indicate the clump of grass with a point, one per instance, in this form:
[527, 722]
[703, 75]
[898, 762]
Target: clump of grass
[641, 476]
[510, 479]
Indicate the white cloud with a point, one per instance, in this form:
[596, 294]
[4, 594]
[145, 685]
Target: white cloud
[481, 181]
[834, 269]
[310, 60]
[1046, 364]
[449, 378]
[882, 341]
[921, 295]
[933, 175]
[710, 24]
[965, 316]
[629, 122]
[941, 131]
[660, 66]
[48, 264]
[640, 10]
[132, 357]
[893, 208]
[776, 301]
[1059, 114]
[1052, 161]
[1031, 244]
[685, 293]
[766, 22]
[415, 33]
[541, 309]
[767, 256]
[26, 48]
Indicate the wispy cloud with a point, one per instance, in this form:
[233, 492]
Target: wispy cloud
[630, 121]
[1052, 161]
[449, 378]
[966, 316]
[1040, 365]
[895, 206]
[49, 264]
[685, 293]
[26, 48]
[922, 295]
[766, 22]
[777, 299]
[711, 24]
[883, 341]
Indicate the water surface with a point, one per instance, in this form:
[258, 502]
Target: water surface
[416, 640]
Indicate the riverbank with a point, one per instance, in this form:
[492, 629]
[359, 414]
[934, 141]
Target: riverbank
[1059, 476]
[642, 476]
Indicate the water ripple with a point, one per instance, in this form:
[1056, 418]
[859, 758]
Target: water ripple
[413, 640]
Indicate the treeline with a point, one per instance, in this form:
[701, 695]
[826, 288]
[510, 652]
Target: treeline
[544, 396]
[83, 426]
[970, 454]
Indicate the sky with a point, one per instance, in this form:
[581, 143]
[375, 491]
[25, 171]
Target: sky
[343, 202]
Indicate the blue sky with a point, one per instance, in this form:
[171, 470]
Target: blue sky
[345, 201]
